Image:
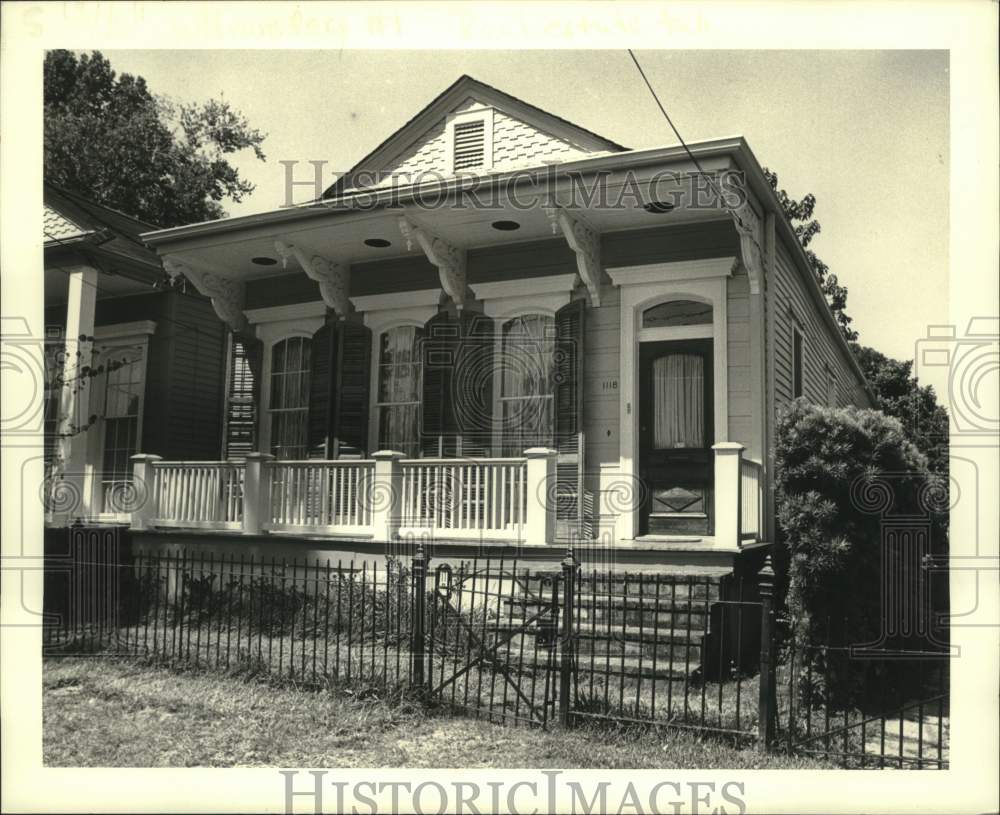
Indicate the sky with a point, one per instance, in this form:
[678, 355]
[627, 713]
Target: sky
[866, 132]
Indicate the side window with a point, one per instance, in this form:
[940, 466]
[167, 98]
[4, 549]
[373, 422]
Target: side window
[289, 406]
[797, 362]
[124, 383]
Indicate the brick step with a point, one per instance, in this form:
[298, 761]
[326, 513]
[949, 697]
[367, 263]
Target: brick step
[679, 591]
[680, 646]
[585, 604]
[629, 666]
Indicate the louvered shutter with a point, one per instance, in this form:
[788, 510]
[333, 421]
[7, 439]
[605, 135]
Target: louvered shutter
[570, 506]
[472, 385]
[243, 395]
[469, 144]
[350, 391]
[322, 379]
[438, 356]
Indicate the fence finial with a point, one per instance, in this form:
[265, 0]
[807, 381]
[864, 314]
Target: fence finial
[569, 560]
[765, 578]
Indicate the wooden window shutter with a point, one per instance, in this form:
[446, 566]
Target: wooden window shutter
[322, 378]
[438, 355]
[470, 144]
[246, 357]
[472, 386]
[569, 374]
[350, 391]
[569, 439]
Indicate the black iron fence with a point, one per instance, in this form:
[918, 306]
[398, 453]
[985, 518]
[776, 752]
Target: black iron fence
[511, 643]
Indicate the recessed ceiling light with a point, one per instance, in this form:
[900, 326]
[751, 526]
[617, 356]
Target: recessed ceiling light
[658, 207]
[263, 261]
[506, 226]
[377, 243]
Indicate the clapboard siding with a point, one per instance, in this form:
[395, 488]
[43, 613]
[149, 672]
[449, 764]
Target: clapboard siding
[185, 381]
[822, 351]
[740, 407]
[602, 341]
[667, 244]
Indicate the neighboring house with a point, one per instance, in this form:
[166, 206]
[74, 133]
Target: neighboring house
[156, 352]
[538, 374]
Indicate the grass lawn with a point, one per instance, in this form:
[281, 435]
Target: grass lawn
[109, 712]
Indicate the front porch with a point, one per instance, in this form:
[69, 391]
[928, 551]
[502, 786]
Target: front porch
[501, 503]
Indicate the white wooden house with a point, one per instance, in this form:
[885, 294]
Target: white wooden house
[602, 368]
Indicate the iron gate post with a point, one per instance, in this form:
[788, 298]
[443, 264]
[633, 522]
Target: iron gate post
[767, 700]
[417, 638]
[570, 567]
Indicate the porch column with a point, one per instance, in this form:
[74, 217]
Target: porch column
[386, 495]
[74, 400]
[728, 455]
[144, 487]
[256, 493]
[540, 510]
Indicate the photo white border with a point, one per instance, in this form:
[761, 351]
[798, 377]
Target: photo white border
[966, 28]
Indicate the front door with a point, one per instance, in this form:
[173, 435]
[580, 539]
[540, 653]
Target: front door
[675, 436]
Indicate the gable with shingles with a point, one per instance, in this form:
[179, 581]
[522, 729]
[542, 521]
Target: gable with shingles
[515, 144]
[57, 227]
[521, 136]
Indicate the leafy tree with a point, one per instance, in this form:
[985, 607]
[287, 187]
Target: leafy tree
[109, 138]
[840, 474]
[800, 214]
[900, 394]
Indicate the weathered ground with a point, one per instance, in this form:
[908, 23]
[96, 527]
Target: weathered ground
[108, 712]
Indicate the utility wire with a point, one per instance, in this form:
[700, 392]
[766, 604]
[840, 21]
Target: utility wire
[673, 127]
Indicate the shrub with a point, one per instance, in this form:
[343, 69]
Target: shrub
[840, 474]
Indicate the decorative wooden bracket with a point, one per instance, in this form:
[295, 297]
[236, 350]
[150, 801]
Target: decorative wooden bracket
[750, 229]
[450, 260]
[586, 245]
[227, 295]
[333, 278]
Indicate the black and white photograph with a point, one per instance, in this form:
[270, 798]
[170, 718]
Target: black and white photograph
[502, 407]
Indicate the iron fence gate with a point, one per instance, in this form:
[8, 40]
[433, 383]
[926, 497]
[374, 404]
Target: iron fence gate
[493, 641]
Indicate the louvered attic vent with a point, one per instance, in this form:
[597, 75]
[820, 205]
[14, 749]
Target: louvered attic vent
[470, 145]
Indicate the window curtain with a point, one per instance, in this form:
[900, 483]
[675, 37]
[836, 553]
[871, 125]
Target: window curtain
[528, 361]
[678, 401]
[399, 389]
[289, 407]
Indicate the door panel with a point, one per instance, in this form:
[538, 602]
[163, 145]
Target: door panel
[675, 436]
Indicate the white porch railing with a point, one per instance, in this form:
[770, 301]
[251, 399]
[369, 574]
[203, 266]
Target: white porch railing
[319, 496]
[459, 498]
[509, 499]
[196, 494]
[751, 499]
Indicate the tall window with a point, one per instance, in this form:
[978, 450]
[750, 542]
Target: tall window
[796, 363]
[289, 404]
[125, 368]
[400, 385]
[527, 389]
